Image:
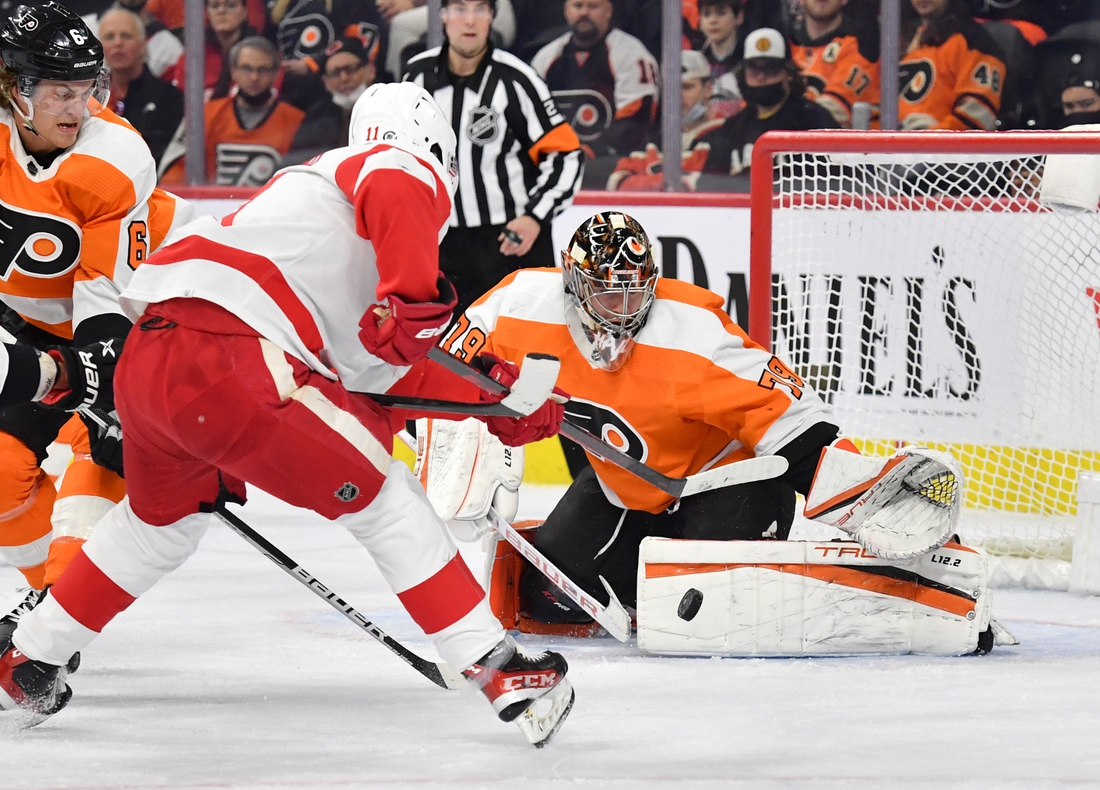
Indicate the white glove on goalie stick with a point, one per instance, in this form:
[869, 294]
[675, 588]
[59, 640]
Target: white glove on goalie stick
[465, 471]
[897, 507]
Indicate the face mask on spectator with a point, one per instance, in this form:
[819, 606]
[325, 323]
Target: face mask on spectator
[1083, 117]
[695, 113]
[346, 100]
[259, 100]
[764, 95]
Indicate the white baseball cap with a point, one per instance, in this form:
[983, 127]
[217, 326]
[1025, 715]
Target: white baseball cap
[765, 42]
[694, 65]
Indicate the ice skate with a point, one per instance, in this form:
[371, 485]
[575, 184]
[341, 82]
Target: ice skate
[530, 690]
[36, 689]
[10, 621]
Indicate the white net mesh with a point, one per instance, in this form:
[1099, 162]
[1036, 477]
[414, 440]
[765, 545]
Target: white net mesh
[935, 299]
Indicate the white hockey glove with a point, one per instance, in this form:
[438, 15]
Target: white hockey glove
[897, 507]
[465, 471]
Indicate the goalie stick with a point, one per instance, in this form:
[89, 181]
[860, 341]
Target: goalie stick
[438, 672]
[613, 617]
[747, 471]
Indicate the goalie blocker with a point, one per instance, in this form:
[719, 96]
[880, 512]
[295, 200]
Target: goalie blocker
[799, 598]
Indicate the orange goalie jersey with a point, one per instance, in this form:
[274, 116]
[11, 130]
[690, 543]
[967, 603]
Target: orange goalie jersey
[953, 83]
[695, 393]
[74, 231]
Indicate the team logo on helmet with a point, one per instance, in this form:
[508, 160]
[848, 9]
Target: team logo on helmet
[25, 18]
[484, 126]
[36, 245]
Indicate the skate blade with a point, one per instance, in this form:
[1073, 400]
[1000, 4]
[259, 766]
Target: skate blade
[540, 726]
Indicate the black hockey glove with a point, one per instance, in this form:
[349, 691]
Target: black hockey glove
[106, 441]
[91, 372]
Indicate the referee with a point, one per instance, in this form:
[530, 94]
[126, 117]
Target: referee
[519, 162]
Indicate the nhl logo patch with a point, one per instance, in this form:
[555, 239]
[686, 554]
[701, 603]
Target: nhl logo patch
[347, 492]
[483, 127]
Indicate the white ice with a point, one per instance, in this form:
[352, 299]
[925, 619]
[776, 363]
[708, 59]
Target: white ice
[230, 675]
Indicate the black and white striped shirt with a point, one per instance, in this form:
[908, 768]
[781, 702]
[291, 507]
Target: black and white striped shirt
[516, 153]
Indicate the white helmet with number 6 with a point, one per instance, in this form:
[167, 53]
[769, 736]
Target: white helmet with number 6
[404, 114]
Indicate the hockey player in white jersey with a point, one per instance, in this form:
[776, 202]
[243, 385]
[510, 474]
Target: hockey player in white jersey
[255, 338]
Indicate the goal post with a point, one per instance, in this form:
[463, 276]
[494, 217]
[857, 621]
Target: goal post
[943, 288]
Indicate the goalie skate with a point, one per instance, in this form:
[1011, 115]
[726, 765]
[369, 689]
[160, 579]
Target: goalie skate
[530, 690]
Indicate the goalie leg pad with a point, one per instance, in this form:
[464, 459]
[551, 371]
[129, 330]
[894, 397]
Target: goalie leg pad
[898, 508]
[798, 598]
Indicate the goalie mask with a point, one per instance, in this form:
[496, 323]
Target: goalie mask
[56, 60]
[406, 116]
[610, 280]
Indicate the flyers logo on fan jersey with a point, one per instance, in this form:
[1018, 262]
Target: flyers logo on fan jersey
[37, 245]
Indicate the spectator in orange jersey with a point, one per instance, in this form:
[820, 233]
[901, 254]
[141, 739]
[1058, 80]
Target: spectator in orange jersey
[227, 24]
[247, 134]
[952, 72]
[839, 57]
[171, 13]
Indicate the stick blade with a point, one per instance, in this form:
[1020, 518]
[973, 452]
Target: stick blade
[748, 471]
[537, 377]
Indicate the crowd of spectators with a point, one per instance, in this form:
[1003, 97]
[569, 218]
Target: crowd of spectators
[281, 75]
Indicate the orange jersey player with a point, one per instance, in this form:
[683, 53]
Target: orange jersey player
[658, 369]
[78, 211]
[838, 57]
[952, 74]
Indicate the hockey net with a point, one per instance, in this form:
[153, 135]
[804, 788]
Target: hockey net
[938, 289]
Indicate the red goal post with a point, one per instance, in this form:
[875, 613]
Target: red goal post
[943, 288]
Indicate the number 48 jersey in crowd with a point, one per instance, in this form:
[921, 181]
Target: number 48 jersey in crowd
[696, 392]
[75, 228]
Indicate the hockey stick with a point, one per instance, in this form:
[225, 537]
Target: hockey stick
[534, 385]
[747, 471]
[612, 617]
[438, 672]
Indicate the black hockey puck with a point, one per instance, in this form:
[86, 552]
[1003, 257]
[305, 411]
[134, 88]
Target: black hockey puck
[689, 604]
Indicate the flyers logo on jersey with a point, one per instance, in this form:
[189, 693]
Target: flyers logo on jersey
[36, 245]
[916, 79]
[609, 425]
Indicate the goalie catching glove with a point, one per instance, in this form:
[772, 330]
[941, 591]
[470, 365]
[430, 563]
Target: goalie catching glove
[896, 508]
[402, 333]
[517, 431]
[465, 471]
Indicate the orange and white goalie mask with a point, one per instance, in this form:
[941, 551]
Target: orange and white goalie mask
[610, 279]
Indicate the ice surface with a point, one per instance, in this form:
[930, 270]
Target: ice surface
[229, 675]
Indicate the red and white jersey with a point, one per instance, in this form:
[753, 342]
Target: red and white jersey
[695, 393]
[73, 233]
[303, 260]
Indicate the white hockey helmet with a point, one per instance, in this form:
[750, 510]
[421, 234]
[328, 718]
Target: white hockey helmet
[405, 115]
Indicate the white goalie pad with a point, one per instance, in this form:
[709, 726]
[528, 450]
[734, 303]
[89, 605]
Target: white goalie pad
[804, 598]
[898, 507]
[465, 470]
